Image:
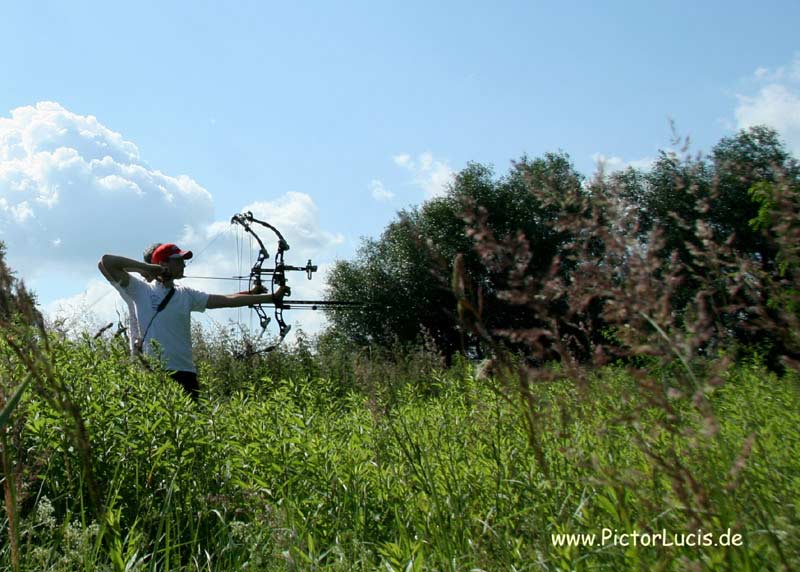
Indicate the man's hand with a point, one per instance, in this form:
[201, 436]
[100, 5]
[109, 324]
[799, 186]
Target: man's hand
[116, 269]
[284, 290]
[260, 289]
[154, 271]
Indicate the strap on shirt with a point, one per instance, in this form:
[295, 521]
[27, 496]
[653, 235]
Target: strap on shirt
[161, 306]
[165, 301]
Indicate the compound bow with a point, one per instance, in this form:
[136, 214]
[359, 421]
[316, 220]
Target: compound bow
[277, 274]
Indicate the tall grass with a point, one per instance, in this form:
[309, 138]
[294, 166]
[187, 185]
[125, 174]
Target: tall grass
[291, 474]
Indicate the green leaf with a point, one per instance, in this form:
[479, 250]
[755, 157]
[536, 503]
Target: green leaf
[12, 403]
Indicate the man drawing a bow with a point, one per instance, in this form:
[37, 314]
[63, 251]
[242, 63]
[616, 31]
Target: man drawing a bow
[163, 308]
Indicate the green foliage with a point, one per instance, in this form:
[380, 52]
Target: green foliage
[729, 190]
[404, 274]
[526, 228]
[296, 473]
[754, 156]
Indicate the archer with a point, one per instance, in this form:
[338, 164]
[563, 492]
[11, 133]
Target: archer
[162, 309]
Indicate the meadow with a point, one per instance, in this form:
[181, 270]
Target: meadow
[306, 459]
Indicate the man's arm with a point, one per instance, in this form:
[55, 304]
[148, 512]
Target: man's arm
[242, 299]
[116, 268]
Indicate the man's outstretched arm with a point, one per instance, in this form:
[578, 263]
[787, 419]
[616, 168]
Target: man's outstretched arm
[242, 299]
[116, 268]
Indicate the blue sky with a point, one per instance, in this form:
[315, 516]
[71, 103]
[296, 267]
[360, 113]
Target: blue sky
[330, 116]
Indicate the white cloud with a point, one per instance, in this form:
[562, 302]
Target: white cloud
[379, 191]
[778, 107]
[69, 178]
[402, 160]
[788, 73]
[89, 310]
[776, 103]
[297, 217]
[613, 163]
[431, 174]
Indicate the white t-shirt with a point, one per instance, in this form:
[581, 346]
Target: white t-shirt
[133, 323]
[171, 328]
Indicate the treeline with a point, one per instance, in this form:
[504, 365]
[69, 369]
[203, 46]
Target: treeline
[547, 260]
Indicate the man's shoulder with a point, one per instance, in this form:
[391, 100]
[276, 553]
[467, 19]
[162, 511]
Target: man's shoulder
[184, 289]
[135, 286]
[196, 299]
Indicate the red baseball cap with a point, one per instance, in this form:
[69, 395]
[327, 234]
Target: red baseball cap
[169, 250]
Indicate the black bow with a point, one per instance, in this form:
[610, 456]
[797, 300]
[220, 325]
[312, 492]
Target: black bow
[278, 278]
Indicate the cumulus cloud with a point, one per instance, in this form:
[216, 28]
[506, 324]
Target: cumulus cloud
[775, 103]
[379, 191]
[431, 174]
[296, 215]
[67, 180]
[88, 310]
[790, 73]
[72, 189]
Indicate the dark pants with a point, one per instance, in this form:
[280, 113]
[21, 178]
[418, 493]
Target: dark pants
[188, 380]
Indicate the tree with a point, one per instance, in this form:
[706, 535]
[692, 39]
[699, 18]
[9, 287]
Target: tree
[678, 192]
[393, 276]
[405, 274]
[734, 193]
[754, 157]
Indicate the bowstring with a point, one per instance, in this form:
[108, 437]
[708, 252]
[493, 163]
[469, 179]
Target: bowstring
[207, 246]
[239, 247]
[240, 256]
[250, 313]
